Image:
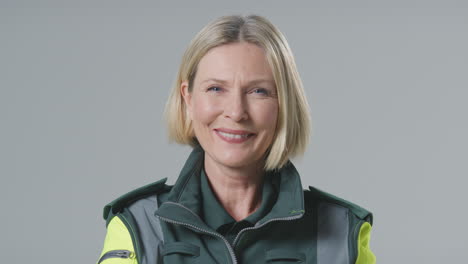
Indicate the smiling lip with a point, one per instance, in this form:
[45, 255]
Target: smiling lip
[233, 136]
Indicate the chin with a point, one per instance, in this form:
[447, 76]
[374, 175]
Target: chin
[234, 158]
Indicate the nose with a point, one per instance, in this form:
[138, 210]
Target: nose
[235, 107]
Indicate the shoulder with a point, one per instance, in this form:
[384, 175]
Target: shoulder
[340, 220]
[324, 199]
[129, 223]
[117, 205]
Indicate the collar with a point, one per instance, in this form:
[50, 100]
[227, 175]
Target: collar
[214, 213]
[216, 216]
[185, 201]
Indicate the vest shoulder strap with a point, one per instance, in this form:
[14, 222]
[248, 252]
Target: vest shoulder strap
[355, 209]
[150, 189]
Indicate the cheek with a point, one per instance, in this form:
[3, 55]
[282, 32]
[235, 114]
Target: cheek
[266, 115]
[205, 111]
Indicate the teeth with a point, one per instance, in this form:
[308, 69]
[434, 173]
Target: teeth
[233, 135]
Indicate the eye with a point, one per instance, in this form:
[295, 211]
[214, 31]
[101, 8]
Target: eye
[214, 89]
[260, 91]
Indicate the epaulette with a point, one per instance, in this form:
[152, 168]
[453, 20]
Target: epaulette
[355, 209]
[118, 204]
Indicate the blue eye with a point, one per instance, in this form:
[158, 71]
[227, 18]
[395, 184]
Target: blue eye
[214, 88]
[260, 91]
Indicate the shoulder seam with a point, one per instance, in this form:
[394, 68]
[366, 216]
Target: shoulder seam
[118, 204]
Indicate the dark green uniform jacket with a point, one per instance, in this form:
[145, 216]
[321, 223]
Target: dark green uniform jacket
[184, 223]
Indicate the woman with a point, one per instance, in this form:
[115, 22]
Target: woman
[238, 100]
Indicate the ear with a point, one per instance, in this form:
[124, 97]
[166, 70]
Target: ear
[184, 91]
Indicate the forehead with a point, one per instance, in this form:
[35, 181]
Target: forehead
[242, 60]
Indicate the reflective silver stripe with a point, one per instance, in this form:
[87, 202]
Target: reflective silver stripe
[149, 229]
[332, 234]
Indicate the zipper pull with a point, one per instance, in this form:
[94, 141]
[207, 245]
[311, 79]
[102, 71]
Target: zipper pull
[125, 254]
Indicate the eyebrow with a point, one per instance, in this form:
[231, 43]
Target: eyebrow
[253, 82]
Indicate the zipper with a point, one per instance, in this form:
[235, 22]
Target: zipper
[125, 254]
[230, 249]
[289, 218]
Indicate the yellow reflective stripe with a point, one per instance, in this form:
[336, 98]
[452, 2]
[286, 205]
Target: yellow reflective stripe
[118, 238]
[365, 255]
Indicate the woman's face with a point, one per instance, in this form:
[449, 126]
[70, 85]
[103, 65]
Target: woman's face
[233, 105]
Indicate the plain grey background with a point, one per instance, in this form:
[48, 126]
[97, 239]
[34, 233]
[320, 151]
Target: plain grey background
[84, 83]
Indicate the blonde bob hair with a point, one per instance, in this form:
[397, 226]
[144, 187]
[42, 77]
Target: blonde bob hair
[293, 124]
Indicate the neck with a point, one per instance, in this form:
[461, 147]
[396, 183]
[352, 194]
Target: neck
[239, 190]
